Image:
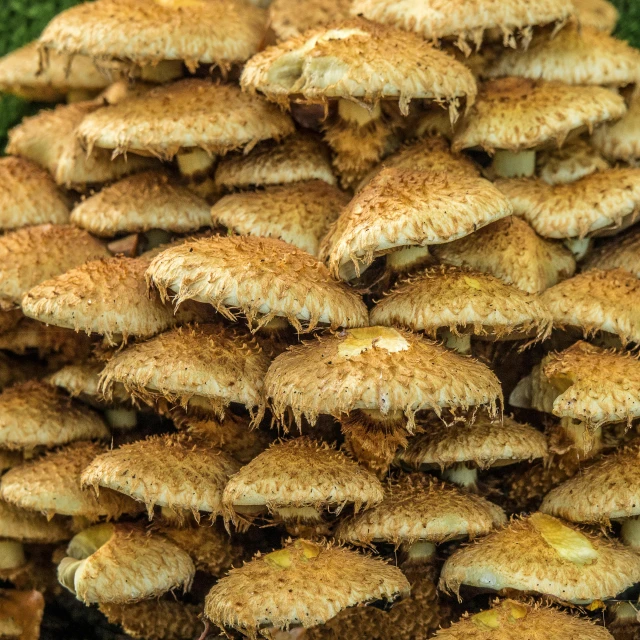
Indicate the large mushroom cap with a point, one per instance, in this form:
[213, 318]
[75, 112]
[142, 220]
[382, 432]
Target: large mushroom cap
[403, 207]
[597, 301]
[599, 14]
[541, 554]
[291, 18]
[512, 251]
[149, 200]
[575, 160]
[221, 32]
[261, 277]
[298, 213]
[51, 485]
[518, 113]
[34, 414]
[187, 114]
[361, 60]
[620, 252]
[168, 471]
[28, 526]
[303, 583]
[621, 140]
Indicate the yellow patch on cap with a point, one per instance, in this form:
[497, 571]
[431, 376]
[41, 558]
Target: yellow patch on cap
[568, 543]
[473, 283]
[361, 340]
[309, 550]
[489, 619]
[281, 558]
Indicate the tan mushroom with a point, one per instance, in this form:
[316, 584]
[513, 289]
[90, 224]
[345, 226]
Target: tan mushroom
[289, 18]
[599, 14]
[619, 252]
[573, 161]
[621, 140]
[21, 614]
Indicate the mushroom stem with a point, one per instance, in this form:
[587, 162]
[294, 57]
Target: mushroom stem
[156, 237]
[514, 164]
[121, 419]
[462, 475]
[166, 71]
[458, 342]
[276, 325]
[579, 247]
[408, 259]
[79, 95]
[307, 514]
[355, 114]
[586, 441]
[631, 533]
[195, 162]
[11, 555]
[421, 552]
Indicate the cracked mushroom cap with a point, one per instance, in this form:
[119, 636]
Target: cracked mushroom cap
[34, 414]
[519, 113]
[597, 301]
[51, 485]
[619, 252]
[260, 277]
[28, 526]
[29, 195]
[299, 213]
[376, 369]
[541, 554]
[292, 18]
[139, 203]
[403, 208]
[573, 161]
[512, 251]
[302, 584]
[599, 14]
[419, 508]
[462, 300]
[183, 115]
[168, 471]
[621, 140]
[120, 564]
[359, 60]
[602, 201]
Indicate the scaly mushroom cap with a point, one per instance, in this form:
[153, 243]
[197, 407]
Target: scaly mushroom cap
[291, 18]
[50, 139]
[297, 158]
[361, 60]
[403, 207]
[186, 114]
[168, 471]
[597, 301]
[121, 564]
[619, 252]
[298, 213]
[261, 277]
[604, 200]
[379, 369]
[36, 414]
[621, 140]
[599, 14]
[51, 485]
[29, 196]
[303, 583]
[422, 508]
[30, 255]
[541, 554]
[149, 200]
[462, 300]
[573, 161]
[302, 473]
[512, 251]
[518, 113]
[27, 526]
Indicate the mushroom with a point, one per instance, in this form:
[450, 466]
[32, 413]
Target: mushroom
[599, 14]
[620, 141]
[573, 161]
[619, 252]
[21, 614]
[291, 18]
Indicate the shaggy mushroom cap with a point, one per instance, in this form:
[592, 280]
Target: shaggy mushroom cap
[184, 115]
[34, 414]
[120, 564]
[512, 251]
[599, 14]
[361, 61]
[168, 471]
[541, 554]
[602, 201]
[291, 18]
[597, 301]
[302, 584]
[462, 300]
[261, 277]
[519, 113]
[28, 526]
[619, 252]
[298, 213]
[51, 485]
[139, 203]
[621, 140]
[573, 161]
[404, 208]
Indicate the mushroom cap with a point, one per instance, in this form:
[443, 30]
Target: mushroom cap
[573, 161]
[29, 196]
[303, 583]
[619, 252]
[302, 473]
[599, 14]
[403, 207]
[512, 251]
[422, 508]
[603, 200]
[51, 485]
[291, 18]
[259, 277]
[621, 140]
[28, 526]
[519, 113]
[597, 301]
[297, 158]
[169, 471]
[299, 213]
[183, 115]
[358, 60]
[541, 554]
[21, 613]
[535, 391]
[36, 414]
[139, 203]
[375, 368]
[221, 32]
[462, 300]
[33, 254]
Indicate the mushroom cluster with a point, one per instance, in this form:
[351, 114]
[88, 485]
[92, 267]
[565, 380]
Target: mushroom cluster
[319, 319]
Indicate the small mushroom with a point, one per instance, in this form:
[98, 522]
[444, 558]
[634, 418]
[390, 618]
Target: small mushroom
[620, 141]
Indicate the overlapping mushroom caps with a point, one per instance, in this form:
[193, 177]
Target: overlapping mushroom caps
[25, 526]
[621, 140]
[575, 160]
[290, 19]
[599, 14]
[619, 252]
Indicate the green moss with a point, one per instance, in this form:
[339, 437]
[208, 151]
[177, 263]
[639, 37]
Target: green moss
[629, 25]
